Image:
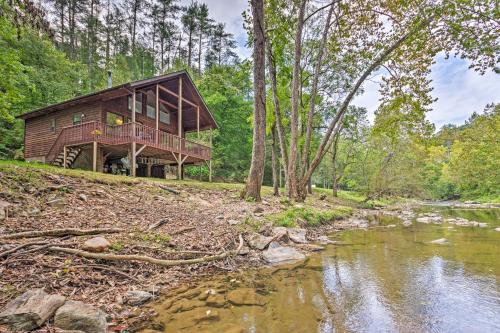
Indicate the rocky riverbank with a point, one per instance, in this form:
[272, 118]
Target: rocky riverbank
[114, 243]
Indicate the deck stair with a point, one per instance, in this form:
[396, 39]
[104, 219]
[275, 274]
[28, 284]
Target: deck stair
[72, 152]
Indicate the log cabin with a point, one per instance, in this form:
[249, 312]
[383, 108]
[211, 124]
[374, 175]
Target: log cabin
[138, 128]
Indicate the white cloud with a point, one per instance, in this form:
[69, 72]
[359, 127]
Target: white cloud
[460, 91]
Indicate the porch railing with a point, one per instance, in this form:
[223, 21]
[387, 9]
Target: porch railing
[121, 134]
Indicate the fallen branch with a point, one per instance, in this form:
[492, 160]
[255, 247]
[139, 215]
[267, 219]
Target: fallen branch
[105, 268]
[151, 260]
[17, 248]
[158, 224]
[181, 231]
[168, 189]
[60, 233]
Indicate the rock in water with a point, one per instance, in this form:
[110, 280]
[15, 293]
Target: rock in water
[30, 310]
[137, 297]
[497, 229]
[440, 241]
[79, 316]
[257, 241]
[282, 254]
[96, 244]
[297, 235]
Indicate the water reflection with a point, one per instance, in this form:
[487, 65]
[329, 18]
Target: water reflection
[384, 280]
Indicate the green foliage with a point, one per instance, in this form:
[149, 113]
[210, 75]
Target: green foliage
[155, 237]
[34, 74]
[227, 91]
[313, 217]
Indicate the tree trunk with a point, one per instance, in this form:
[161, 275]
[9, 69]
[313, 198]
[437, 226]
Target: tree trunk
[134, 24]
[294, 123]
[314, 91]
[199, 54]
[254, 181]
[275, 164]
[343, 107]
[334, 168]
[190, 45]
[277, 109]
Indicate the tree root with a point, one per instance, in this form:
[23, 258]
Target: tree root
[60, 233]
[151, 260]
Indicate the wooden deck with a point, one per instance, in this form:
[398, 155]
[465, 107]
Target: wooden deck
[127, 133]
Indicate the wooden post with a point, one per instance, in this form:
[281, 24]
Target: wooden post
[157, 112]
[179, 130]
[198, 121]
[210, 161]
[94, 157]
[65, 152]
[132, 157]
[149, 169]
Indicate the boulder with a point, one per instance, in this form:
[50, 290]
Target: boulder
[324, 240]
[96, 244]
[440, 241]
[30, 310]
[79, 316]
[233, 222]
[82, 197]
[430, 218]
[257, 241]
[280, 233]
[137, 297]
[282, 254]
[244, 250]
[4, 205]
[297, 235]
[407, 223]
[497, 229]
[245, 296]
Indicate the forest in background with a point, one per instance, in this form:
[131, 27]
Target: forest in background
[66, 47]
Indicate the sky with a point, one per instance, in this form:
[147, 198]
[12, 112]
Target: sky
[459, 90]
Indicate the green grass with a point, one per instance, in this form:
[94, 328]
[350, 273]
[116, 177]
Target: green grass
[24, 169]
[313, 217]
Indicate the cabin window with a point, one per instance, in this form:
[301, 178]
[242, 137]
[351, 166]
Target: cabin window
[52, 125]
[164, 114]
[78, 118]
[113, 119]
[151, 106]
[138, 103]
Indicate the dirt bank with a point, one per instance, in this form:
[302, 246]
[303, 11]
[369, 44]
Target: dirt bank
[193, 220]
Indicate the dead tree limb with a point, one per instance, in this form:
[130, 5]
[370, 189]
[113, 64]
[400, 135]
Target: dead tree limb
[19, 247]
[168, 189]
[157, 224]
[181, 231]
[151, 260]
[60, 233]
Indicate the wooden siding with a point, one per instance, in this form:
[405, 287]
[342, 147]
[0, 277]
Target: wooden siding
[120, 106]
[38, 137]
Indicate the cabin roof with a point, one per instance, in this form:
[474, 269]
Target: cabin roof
[189, 89]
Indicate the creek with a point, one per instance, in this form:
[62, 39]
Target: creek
[383, 279]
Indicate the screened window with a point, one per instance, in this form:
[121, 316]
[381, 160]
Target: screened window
[77, 118]
[151, 111]
[164, 114]
[53, 125]
[151, 105]
[138, 103]
[113, 119]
